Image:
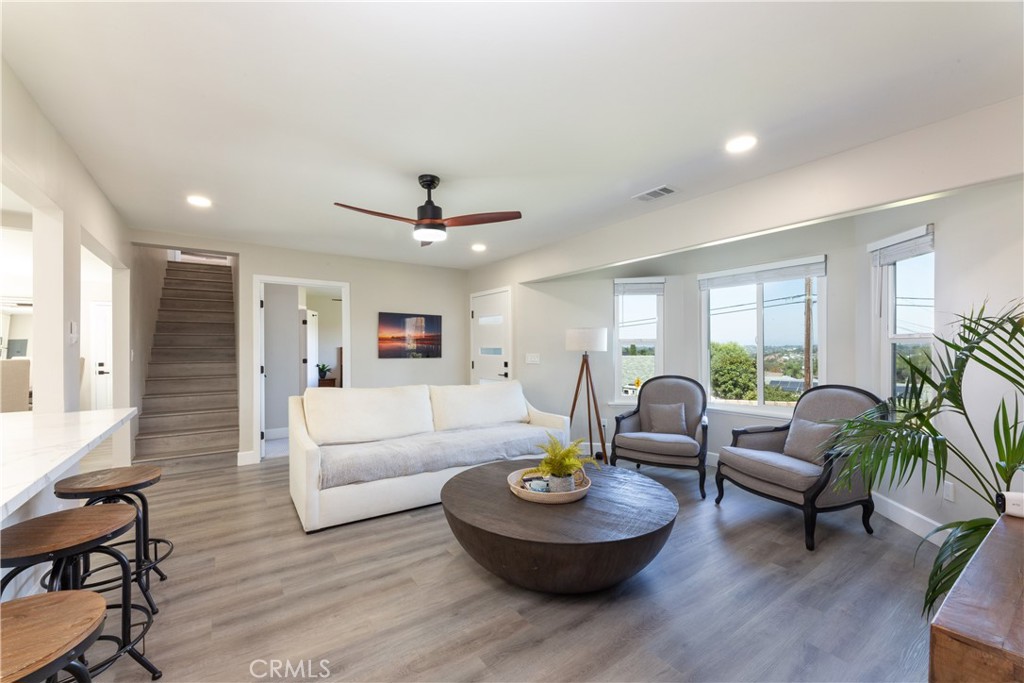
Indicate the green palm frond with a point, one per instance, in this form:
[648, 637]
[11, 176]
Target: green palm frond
[1009, 438]
[954, 554]
[894, 442]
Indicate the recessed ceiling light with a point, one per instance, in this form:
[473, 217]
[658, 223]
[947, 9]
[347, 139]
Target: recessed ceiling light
[479, 247]
[741, 143]
[198, 200]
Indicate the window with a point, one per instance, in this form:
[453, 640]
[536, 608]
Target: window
[762, 343]
[905, 277]
[638, 333]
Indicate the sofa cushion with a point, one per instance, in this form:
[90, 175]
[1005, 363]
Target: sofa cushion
[429, 452]
[782, 470]
[808, 440]
[662, 444]
[474, 405]
[667, 418]
[358, 415]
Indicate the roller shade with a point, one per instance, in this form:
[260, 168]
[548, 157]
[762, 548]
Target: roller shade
[789, 271]
[916, 246]
[640, 286]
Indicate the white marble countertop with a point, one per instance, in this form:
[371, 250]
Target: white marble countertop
[36, 449]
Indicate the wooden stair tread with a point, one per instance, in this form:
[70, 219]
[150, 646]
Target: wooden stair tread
[190, 411]
[42, 629]
[188, 432]
[113, 480]
[217, 392]
[174, 455]
[66, 531]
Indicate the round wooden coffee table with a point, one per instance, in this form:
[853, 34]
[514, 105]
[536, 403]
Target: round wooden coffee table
[607, 537]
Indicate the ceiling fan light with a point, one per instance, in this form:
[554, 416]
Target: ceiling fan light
[429, 233]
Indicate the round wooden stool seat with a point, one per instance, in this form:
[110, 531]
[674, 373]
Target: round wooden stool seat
[108, 482]
[43, 634]
[62, 534]
[125, 485]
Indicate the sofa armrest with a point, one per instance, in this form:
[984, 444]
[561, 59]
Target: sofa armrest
[303, 466]
[627, 422]
[829, 492]
[558, 424]
[761, 437]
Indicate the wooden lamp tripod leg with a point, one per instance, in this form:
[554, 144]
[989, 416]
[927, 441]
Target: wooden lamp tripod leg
[592, 396]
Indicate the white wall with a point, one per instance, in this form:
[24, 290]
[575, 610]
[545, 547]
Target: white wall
[330, 329]
[40, 167]
[283, 353]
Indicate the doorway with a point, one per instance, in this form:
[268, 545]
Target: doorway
[95, 370]
[300, 324]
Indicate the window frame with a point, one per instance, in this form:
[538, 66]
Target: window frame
[760, 274]
[619, 396]
[886, 254]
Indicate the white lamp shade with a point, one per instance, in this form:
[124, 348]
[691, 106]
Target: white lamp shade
[586, 339]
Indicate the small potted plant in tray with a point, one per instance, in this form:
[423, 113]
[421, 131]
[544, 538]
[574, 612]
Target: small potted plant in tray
[560, 464]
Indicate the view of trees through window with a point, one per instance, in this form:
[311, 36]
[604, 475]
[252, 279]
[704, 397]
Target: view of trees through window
[787, 345]
[912, 319]
[637, 318]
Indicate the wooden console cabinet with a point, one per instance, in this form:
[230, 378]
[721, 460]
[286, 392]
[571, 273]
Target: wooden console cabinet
[978, 633]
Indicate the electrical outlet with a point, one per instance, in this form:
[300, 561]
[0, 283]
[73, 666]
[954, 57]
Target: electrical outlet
[949, 492]
[533, 359]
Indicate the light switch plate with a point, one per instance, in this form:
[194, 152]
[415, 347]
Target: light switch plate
[533, 359]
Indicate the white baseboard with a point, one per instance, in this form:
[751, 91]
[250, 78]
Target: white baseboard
[276, 433]
[907, 518]
[248, 458]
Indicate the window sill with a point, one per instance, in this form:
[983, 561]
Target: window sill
[776, 412]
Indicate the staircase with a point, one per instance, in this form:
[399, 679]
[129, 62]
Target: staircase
[190, 407]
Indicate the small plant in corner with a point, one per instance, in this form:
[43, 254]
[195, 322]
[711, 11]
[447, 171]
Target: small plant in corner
[560, 463]
[323, 369]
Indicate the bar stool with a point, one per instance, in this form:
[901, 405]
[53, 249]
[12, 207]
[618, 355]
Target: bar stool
[123, 484]
[63, 538]
[44, 634]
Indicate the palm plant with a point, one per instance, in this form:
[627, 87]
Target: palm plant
[904, 436]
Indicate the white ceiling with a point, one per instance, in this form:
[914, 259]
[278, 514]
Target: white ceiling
[560, 110]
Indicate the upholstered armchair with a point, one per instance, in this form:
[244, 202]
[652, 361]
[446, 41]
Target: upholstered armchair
[668, 427]
[793, 464]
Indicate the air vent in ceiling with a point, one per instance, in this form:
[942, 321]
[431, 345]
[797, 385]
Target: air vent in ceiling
[656, 193]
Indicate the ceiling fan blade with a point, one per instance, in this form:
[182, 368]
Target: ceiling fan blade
[411, 221]
[481, 218]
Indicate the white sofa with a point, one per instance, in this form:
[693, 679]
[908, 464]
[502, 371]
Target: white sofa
[361, 453]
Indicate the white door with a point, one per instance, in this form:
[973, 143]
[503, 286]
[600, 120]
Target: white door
[490, 336]
[312, 348]
[101, 330]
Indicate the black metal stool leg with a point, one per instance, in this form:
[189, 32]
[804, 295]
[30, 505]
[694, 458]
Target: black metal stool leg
[142, 559]
[78, 671]
[145, 537]
[10, 576]
[126, 611]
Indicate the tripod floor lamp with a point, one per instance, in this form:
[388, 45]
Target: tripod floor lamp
[587, 339]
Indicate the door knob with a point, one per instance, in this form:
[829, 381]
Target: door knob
[503, 374]
[102, 372]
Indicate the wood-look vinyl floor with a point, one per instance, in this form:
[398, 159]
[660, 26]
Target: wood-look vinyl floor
[734, 596]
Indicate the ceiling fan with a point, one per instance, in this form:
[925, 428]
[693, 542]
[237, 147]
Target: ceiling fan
[429, 226]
